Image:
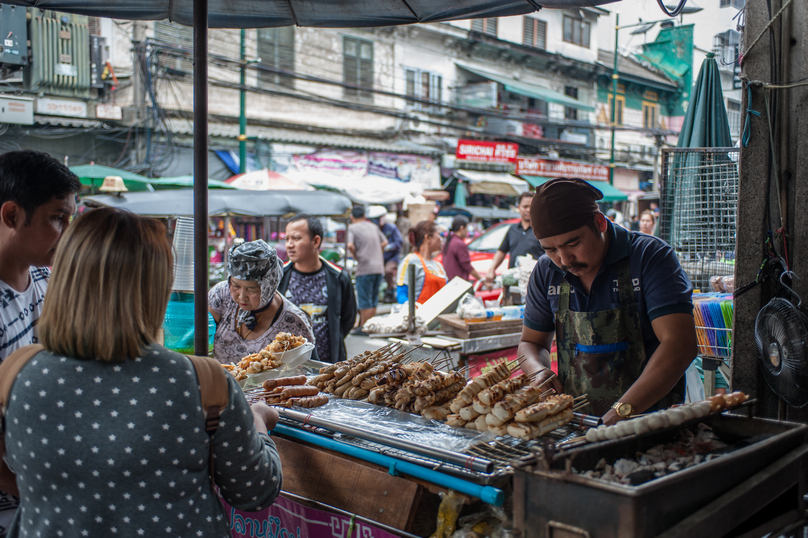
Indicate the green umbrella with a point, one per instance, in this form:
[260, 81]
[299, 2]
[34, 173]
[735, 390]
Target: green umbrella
[460, 195]
[92, 175]
[186, 181]
[706, 124]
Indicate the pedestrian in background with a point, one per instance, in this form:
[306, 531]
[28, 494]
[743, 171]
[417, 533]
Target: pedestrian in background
[518, 241]
[321, 289]
[366, 243]
[647, 222]
[456, 258]
[430, 276]
[392, 255]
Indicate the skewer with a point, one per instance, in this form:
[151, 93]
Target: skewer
[546, 393]
[411, 350]
[547, 380]
[580, 405]
[582, 396]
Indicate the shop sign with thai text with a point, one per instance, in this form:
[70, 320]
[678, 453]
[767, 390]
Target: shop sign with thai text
[494, 152]
[544, 168]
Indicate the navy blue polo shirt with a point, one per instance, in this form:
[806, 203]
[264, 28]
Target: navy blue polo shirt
[661, 287]
[518, 242]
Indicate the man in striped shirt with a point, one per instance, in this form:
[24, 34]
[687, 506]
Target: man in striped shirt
[37, 200]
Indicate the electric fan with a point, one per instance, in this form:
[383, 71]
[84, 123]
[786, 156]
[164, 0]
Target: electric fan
[781, 337]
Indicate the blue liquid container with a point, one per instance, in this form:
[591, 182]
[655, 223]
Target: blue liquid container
[178, 325]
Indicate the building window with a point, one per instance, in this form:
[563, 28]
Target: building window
[357, 67]
[276, 49]
[423, 85]
[739, 4]
[726, 47]
[571, 113]
[618, 110]
[649, 115]
[535, 33]
[576, 31]
[486, 26]
[734, 116]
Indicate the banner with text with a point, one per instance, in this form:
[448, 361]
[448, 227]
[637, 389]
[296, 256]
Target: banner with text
[492, 152]
[288, 519]
[544, 168]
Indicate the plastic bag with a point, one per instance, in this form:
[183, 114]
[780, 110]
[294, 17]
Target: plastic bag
[470, 306]
[449, 510]
[694, 387]
[525, 265]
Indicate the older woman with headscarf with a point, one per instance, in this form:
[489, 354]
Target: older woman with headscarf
[248, 310]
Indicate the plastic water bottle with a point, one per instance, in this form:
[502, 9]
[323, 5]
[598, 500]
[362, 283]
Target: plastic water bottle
[513, 312]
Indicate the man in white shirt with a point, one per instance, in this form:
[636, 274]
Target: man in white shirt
[37, 201]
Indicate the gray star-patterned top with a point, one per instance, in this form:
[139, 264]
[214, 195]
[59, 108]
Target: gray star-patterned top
[120, 449]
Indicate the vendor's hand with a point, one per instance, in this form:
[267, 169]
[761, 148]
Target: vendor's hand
[611, 417]
[543, 376]
[489, 279]
[264, 416]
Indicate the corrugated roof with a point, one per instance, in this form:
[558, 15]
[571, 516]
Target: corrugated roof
[293, 136]
[629, 66]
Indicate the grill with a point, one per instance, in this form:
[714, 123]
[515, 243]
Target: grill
[551, 501]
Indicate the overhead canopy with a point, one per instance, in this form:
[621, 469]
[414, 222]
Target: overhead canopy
[362, 190]
[610, 194]
[223, 203]
[530, 90]
[186, 181]
[492, 183]
[92, 175]
[477, 212]
[265, 180]
[331, 13]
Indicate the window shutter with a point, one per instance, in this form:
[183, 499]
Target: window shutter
[528, 29]
[477, 25]
[541, 34]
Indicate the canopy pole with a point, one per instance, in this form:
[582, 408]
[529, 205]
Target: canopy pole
[201, 259]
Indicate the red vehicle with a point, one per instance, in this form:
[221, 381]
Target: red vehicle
[482, 250]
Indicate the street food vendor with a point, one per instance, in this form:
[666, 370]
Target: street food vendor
[618, 303]
[248, 310]
[430, 276]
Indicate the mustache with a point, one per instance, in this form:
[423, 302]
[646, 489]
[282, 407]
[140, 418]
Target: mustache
[574, 265]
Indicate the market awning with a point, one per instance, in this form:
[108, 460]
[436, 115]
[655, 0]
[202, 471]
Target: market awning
[478, 212]
[92, 175]
[492, 183]
[362, 190]
[224, 203]
[530, 90]
[610, 194]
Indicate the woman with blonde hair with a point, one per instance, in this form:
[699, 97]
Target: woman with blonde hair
[105, 428]
[430, 276]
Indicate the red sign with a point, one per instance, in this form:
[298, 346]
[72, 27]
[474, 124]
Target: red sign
[541, 167]
[493, 152]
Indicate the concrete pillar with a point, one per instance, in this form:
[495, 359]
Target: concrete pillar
[789, 186]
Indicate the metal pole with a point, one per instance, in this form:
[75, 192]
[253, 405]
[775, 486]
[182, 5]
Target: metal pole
[614, 95]
[201, 177]
[242, 118]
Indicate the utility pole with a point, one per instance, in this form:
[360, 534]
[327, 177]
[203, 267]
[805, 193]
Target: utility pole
[139, 88]
[615, 76]
[242, 118]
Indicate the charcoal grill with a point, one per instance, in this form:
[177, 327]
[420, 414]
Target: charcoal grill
[551, 501]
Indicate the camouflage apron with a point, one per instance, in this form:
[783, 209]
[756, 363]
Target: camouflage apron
[602, 353]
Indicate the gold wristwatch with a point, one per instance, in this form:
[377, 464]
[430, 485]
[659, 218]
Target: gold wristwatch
[624, 410]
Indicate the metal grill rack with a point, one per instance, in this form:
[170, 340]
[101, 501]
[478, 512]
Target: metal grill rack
[698, 207]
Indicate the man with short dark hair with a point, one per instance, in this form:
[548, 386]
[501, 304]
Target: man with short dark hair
[323, 290]
[617, 302]
[519, 239]
[37, 201]
[365, 243]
